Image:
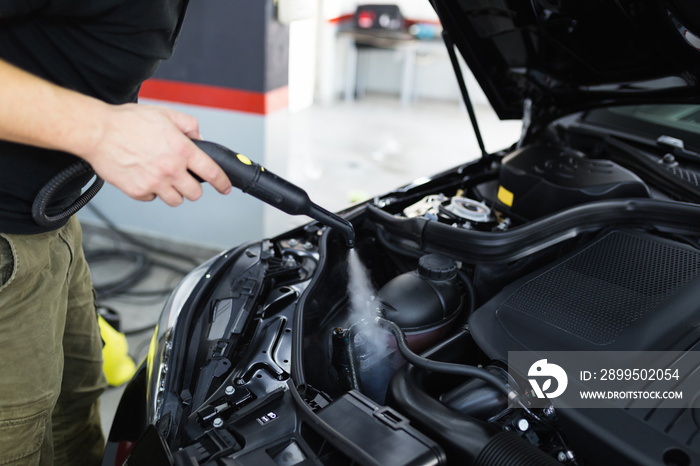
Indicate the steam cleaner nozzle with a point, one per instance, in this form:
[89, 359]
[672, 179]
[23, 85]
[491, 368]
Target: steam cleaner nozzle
[255, 180]
[334, 221]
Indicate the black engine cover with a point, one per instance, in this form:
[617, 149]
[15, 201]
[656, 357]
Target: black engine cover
[626, 291]
[539, 180]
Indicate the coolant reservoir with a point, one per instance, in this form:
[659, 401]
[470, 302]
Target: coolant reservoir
[425, 302]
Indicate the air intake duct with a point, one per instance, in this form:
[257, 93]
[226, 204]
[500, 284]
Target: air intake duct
[466, 440]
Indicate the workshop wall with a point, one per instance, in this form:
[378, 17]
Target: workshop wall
[230, 70]
[241, 72]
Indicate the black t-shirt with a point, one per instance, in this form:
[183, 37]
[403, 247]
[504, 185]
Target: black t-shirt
[102, 48]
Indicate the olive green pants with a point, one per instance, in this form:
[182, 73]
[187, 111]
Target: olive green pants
[50, 352]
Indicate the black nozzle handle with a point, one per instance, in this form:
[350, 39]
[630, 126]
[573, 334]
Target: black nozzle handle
[253, 179]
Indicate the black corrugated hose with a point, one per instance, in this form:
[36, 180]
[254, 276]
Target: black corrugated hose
[43, 198]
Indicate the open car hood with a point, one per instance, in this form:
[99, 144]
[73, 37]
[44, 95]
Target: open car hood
[568, 55]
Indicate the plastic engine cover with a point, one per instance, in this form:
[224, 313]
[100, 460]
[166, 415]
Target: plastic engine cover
[536, 181]
[626, 291]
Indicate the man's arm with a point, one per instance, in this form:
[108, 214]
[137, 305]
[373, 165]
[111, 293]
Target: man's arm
[143, 150]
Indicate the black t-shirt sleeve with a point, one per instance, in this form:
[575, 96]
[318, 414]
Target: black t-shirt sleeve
[11, 8]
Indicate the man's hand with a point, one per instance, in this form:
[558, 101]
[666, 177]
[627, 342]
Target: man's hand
[146, 152]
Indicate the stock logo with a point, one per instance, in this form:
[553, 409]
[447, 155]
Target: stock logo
[542, 370]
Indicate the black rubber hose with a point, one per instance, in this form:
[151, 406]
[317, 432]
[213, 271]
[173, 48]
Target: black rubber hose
[43, 198]
[400, 250]
[353, 363]
[507, 449]
[466, 440]
[442, 367]
[344, 359]
[475, 246]
[471, 291]
[355, 379]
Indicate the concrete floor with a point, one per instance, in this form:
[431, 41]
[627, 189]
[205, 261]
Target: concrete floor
[339, 154]
[354, 150]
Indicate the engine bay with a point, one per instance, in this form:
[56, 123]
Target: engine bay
[624, 284]
[549, 246]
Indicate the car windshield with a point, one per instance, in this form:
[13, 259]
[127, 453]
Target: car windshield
[680, 121]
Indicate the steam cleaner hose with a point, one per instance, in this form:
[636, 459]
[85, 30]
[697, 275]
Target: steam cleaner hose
[43, 198]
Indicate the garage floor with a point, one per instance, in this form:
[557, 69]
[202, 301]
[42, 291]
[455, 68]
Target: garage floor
[340, 154]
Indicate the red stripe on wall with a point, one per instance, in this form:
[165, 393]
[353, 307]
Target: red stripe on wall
[277, 99]
[206, 95]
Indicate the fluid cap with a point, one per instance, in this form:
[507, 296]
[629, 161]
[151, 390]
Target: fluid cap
[437, 267]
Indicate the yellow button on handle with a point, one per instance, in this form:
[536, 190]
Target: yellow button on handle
[244, 159]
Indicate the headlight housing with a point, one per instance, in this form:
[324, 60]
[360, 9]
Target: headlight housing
[161, 347]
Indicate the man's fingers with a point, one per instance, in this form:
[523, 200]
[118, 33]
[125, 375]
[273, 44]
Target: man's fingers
[188, 187]
[147, 151]
[209, 171]
[144, 197]
[185, 123]
[171, 197]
